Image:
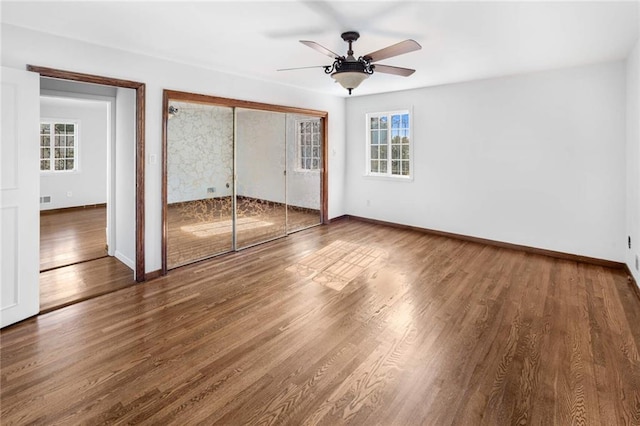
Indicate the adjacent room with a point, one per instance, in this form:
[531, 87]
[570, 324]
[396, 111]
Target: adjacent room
[320, 212]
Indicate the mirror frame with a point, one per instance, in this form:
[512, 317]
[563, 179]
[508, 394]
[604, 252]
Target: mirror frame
[173, 95]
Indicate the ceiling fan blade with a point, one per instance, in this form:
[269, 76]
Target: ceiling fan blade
[393, 50]
[388, 69]
[301, 68]
[319, 48]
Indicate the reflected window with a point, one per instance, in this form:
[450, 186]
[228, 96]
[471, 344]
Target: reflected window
[308, 145]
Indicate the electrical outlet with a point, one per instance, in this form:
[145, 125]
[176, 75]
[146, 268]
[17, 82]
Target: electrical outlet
[211, 190]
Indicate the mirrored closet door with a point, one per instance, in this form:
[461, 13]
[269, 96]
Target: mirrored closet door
[304, 165]
[199, 182]
[260, 172]
[237, 174]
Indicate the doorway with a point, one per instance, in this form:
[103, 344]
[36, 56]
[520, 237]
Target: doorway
[76, 133]
[237, 174]
[93, 231]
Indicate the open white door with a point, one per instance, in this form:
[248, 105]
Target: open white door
[20, 190]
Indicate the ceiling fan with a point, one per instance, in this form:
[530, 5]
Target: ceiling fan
[350, 72]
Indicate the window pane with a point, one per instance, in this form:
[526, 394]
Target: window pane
[43, 153]
[383, 122]
[59, 129]
[374, 152]
[44, 165]
[307, 164]
[384, 151]
[405, 168]
[70, 128]
[405, 152]
[59, 165]
[45, 127]
[405, 120]
[57, 152]
[395, 152]
[70, 153]
[383, 166]
[383, 136]
[70, 141]
[374, 166]
[316, 164]
[69, 164]
[395, 167]
[395, 121]
[45, 141]
[374, 122]
[316, 152]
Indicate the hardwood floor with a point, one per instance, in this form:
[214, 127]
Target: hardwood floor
[74, 259]
[200, 229]
[347, 323]
[72, 235]
[70, 284]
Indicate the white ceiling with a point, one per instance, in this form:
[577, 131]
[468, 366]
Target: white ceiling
[461, 40]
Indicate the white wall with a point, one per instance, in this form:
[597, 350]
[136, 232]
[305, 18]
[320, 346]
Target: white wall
[633, 159]
[536, 160]
[260, 154]
[22, 46]
[87, 185]
[125, 177]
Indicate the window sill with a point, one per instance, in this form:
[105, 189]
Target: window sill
[389, 178]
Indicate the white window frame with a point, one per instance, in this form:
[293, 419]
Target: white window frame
[76, 137]
[299, 157]
[388, 174]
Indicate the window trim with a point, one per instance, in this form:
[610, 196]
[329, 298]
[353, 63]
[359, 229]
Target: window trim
[297, 167]
[76, 139]
[388, 175]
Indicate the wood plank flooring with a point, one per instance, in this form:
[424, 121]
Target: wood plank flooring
[200, 229]
[71, 236]
[70, 284]
[350, 323]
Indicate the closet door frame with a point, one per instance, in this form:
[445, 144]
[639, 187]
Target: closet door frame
[173, 95]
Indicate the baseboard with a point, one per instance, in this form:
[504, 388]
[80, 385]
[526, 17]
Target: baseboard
[70, 209]
[124, 259]
[148, 276]
[339, 218]
[533, 250]
[632, 281]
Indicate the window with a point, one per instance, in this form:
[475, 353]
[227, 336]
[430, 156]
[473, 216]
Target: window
[58, 146]
[308, 145]
[389, 144]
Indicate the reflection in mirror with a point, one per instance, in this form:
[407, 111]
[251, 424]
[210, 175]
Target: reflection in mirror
[260, 165]
[304, 165]
[199, 182]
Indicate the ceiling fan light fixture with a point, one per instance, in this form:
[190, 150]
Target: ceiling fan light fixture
[349, 79]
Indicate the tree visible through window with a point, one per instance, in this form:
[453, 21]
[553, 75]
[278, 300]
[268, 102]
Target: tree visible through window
[58, 146]
[389, 144]
[308, 145]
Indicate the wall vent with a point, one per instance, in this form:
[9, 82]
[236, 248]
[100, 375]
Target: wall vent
[45, 200]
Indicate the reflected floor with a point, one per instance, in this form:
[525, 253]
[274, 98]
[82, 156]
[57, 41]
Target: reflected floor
[203, 228]
[72, 235]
